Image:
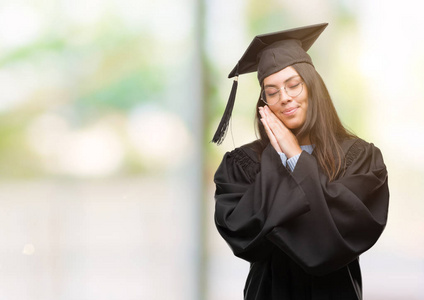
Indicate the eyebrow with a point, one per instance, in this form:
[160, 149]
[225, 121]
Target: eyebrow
[285, 81]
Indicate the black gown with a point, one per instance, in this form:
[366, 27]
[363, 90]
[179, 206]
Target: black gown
[301, 233]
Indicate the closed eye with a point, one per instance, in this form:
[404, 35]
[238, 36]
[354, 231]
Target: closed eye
[294, 86]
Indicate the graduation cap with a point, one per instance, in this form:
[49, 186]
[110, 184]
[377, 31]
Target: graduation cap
[268, 54]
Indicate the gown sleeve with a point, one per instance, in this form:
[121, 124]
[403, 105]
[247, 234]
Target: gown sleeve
[346, 216]
[252, 198]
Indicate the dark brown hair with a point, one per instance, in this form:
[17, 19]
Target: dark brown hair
[322, 123]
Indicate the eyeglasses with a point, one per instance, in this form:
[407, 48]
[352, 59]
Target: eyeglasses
[271, 95]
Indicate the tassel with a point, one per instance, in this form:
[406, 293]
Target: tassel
[219, 136]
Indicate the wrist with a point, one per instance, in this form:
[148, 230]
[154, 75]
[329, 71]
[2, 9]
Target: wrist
[293, 152]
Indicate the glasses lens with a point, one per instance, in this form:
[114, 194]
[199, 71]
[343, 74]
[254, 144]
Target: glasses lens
[293, 89]
[270, 96]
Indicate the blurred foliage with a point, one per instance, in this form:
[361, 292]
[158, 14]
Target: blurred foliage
[13, 146]
[267, 18]
[82, 75]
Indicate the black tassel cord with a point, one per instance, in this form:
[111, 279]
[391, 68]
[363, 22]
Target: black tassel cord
[219, 136]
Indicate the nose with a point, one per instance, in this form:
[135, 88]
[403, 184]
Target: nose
[284, 97]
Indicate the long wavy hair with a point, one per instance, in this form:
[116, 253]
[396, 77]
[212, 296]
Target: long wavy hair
[322, 125]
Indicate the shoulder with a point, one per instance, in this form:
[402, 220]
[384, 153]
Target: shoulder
[359, 153]
[353, 143]
[353, 148]
[244, 159]
[356, 145]
[248, 153]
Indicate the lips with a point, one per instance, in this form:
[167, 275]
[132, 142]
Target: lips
[290, 111]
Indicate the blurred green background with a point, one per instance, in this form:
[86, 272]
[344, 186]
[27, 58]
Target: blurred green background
[106, 113]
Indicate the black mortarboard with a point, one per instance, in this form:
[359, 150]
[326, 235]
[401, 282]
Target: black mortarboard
[268, 54]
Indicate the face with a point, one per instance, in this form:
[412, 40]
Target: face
[290, 110]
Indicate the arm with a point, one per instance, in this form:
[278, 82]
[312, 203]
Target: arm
[346, 216]
[291, 162]
[249, 204]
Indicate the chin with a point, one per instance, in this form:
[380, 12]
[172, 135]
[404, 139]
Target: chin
[292, 126]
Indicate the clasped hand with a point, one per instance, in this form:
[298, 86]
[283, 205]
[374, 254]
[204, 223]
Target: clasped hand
[281, 138]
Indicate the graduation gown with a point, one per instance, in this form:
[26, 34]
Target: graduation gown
[301, 233]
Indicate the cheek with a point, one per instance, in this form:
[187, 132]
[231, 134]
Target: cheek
[273, 109]
[276, 112]
[305, 102]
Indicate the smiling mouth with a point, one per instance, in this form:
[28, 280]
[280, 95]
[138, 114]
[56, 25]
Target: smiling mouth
[290, 111]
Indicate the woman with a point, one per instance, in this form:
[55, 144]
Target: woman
[307, 198]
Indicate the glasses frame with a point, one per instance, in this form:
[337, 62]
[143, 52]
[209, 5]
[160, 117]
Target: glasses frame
[279, 94]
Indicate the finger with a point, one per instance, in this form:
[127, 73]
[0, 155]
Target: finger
[262, 112]
[284, 137]
[271, 136]
[276, 125]
[270, 114]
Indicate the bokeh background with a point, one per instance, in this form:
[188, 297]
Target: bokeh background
[107, 108]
